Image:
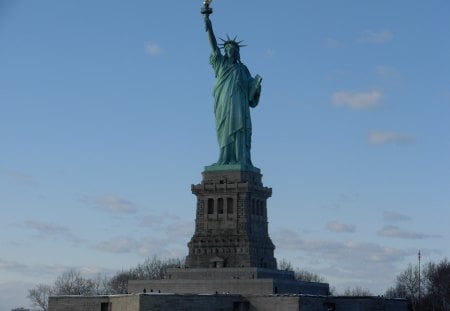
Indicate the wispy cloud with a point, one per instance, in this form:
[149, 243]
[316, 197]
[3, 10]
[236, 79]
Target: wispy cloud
[345, 261]
[167, 239]
[396, 232]
[356, 100]
[180, 228]
[387, 72]
[343, 200]
[118, 245]
[332, 43]
[446, 95]
[156, 221]
[340, 261]
[375, 37]
[334, 250]
[153, 49]
[394, 217]
[45, 230]
[378, 138]
[7, 265]
[41, 271]
[48, 272]
[146, 246]
[111, 204]
[14, 294]
[151, 221]
[17, 177]
[338, 227]
[270, 53]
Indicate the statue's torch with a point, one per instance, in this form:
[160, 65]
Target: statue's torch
[206, 10]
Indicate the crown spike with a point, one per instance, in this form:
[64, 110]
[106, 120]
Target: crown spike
[231, 41]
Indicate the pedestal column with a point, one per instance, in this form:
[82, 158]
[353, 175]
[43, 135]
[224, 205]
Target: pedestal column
[231, 228]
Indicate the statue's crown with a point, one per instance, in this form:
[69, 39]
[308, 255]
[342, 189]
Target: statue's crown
[230, 41]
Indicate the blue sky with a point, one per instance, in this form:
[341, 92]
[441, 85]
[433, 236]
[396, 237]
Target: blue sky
[106, 120]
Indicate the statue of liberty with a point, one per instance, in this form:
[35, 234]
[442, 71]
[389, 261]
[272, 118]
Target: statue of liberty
[235, 91]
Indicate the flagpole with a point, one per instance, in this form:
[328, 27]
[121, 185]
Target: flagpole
[418, 255]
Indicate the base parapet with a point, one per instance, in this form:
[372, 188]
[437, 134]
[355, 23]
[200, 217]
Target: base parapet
[243, 281]
[221, 302]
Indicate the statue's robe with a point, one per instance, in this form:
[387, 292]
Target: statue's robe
[234, 85]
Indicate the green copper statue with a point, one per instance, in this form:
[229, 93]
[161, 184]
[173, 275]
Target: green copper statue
[234, 92]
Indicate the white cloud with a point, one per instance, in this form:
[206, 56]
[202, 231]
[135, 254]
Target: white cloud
[394, 217]
[11, 265]
[396, 232]
[162, 246]
[345, 263]
[343, 200]
[155, 221]
[118, 245]
[373, 37]
[446, 95]
[343, 251]
[46, 230]
[169, 238]
[151, 221]
[377, 138]
[47, 272]
[338, 227]
[111, 204]
[153, 49]
[180, 229]
[270, 53]
[14, 295]
[116, 204]
[387, 72]
[356, 100]
[18, 177]
[332, 43]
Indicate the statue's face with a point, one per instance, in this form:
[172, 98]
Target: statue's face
[232, 51]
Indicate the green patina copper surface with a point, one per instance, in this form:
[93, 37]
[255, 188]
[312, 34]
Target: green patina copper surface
[235, 91]
[231, 167]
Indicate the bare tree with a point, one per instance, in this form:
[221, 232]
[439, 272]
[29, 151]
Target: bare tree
[437, 285]
[407, 285]
[39, 295]
[409, 281]
[286, 265]
[154, 268]
[101, 285]
[357, 291]
[307, 276]
[395, 292]
[118, 284]
[72, 282]
[300, 274]
[151, 269]
[68, 283]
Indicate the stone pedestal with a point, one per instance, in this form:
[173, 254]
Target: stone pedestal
[230, 251]
[231, 228]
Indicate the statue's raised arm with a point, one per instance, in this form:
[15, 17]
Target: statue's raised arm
[211, 36]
